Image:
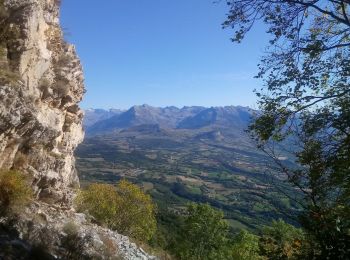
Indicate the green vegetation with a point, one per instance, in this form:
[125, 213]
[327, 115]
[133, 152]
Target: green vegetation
[3, 12]
[15, 192]
[100, 200]
[245, 247]
[125, 208]
[8, 77]
[136, 212]
[193, 171]
[304, 112]
[282, 241]
[215, 172]
[306, 100]
[198, 232]
[8, 36]
[203, 234]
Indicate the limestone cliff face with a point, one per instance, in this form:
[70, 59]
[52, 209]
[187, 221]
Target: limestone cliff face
[41, 84]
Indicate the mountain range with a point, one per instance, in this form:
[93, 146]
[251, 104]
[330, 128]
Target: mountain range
[179, 155]
[98, 121]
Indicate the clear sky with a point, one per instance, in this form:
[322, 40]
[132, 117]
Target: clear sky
[161, 53]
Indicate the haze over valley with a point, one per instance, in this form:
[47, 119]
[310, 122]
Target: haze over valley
[185, 154]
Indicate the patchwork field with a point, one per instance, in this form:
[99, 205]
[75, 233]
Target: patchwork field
[177, 166]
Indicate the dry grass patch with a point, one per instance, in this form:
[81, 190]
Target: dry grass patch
[15, 192]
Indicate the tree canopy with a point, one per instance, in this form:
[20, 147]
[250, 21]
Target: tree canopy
[305, 101]
[204, 234]
[245, 247]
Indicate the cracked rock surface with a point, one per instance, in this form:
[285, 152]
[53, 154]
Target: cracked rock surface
[40, 121]
[41, 84]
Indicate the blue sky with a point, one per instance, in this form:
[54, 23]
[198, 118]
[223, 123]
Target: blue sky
[161, 53]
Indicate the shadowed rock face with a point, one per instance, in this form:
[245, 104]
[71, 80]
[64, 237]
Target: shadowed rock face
[41, 83]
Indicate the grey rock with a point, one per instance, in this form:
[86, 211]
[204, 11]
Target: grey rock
[40, 122]
[41, 84]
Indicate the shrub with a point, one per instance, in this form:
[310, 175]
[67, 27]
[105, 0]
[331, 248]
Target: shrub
[15, 191]
[282, 241]
[245, 246]
[100, 200]
[9, 77]
[3, 11]
[73, 244]
[136, 212]
[204, 234]
[125, 208]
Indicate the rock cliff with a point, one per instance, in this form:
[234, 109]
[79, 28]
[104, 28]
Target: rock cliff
[41, 84]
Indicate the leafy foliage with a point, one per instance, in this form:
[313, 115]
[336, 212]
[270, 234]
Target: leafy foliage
[306, 101]
[15, 192]
[136, 211]
[245, 246]
[204, 233]
[194, 171]
[125, 208]
[282, 241]
[100, 200]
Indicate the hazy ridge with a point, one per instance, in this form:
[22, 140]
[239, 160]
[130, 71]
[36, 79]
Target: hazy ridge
[184, 154]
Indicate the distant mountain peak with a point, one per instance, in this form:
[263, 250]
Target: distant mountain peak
[188, 117]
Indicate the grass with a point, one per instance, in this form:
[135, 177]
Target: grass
[9, 77]
[15, 192]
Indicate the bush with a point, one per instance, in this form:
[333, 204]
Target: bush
[3, 11]
[9, 77]
[204, 234]
[73, 244]
[15, 192]
[100, 200]
[245, 246]
[282, 241]
[136, 212]
[125, 208]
